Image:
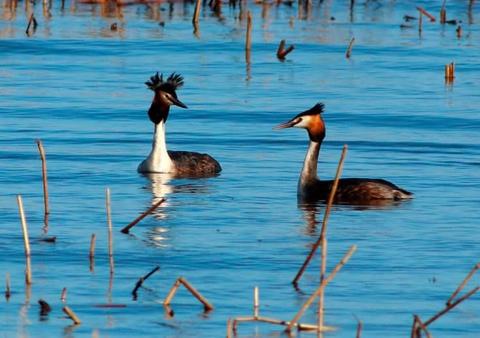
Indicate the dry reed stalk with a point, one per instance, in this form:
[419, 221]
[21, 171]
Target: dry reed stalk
[282, 52]
[420, 23]
[413, 331]
[349, 49]
[256, 302]
[7, 287]
[323, 271]
[421, 326]
[92, 246]
[464, 282]
[324, 283]
[450, 72]
[141, 280]
[443, 15]
[331, 197]
[31, 21]
[110, 235]
[44, 176]
[459, 31]
[359, 329]
[196, 13]
[63, 296]
[299, 326]
[45, 308]
[424, 12]
[127, 228]
[248, 40]
[229, 328]
[196, 294]
[26, 241]
[72, 315]
[451, 306]
[172, 293]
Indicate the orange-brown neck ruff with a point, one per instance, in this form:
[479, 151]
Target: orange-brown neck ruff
[316, 128]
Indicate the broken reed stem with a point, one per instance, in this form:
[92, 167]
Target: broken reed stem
[7, 287]
[324, 283]
[299, 326]
[256, 302]
[462, 285]
[31, 21]
[421, 327]
[359, 329]
[141, 280]
[127, 228]
[28, 270]
[413, 331]
[323, 269]
[229, 327]
[459, 31]
[92, 246]
[196, 13]
[424, 12]
[44, 176]
[450, 72]
[248, 40]
[172, 293]
[451, 306]
[72, 315]
[420, 22]
[325, 217]
[282, 52]
[349, 49]
[196, 294]
[63, 296]
[110, 235]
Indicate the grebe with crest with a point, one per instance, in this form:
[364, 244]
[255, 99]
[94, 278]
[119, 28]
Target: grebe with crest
[160, 160]
[349, 190]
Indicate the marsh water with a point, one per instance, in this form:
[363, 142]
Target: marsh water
[79, 87]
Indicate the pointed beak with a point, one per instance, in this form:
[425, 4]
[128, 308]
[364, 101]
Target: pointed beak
[285, 125]
[177, 102]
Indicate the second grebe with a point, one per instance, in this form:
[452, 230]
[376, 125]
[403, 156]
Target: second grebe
[177, 163]
[349, 190]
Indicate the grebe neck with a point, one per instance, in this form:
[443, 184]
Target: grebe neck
[309, 170]
[158, 160]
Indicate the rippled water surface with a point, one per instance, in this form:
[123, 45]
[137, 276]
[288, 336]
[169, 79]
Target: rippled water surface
[79, 87]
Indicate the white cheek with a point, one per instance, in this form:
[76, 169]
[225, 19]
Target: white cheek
[303, 123]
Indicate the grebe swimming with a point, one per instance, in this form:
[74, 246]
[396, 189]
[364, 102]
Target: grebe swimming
[349, 190]
[178, 163]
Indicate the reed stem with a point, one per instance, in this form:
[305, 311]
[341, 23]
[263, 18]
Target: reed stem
[110, 234]
[127, 228]
[424, 12]
[196, 294]
[464, 282]
[44, 176]
[72, 315]
[331, 197]
[7, 287]
[256, 302]
[141, 280]
[349, 49]
[248, 40]
[196, 13]
[26, 241]
[63, 296]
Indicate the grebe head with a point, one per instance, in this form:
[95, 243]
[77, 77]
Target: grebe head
[165, 95]
[311, 120]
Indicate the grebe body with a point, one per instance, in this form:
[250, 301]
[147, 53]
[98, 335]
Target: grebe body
[161, 160]
[349, 190]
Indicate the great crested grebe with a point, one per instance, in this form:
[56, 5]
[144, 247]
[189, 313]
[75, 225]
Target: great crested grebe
[349, 190]
[177, 163]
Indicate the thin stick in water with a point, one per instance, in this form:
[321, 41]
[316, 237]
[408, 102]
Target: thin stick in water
[325, 217]
[349, 49]
[424, 12]
[44, 176]
[282, 52]
[26, 241]
[92, 246]
[451, 306]
[324, 283]
[172, 292]
[127, 228]
[110, 235]
[196, 294]
[422, 326]
[63, 296]
[464, 282]
[72, 315]
[7, 287]
[141, 280]
[359, 328]
[196, 14]
[248, 40]
[31, 21]
[256, 302]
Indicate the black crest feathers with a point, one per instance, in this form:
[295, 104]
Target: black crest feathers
[173, 82]
[315, 110]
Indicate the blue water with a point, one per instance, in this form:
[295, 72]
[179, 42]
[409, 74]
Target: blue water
[79, 87]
